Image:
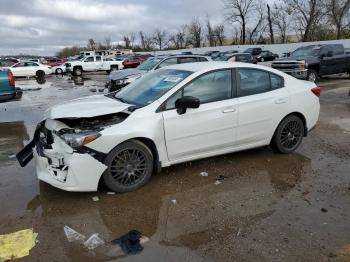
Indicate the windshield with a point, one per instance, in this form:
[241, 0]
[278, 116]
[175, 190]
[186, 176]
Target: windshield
[306, 51]
[148, 64]
[152, 86]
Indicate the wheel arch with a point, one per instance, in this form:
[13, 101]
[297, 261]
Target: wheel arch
[151, 145]
[297, 114]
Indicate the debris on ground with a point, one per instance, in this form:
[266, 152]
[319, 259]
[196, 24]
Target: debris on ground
[95, 199]
[203, 173]
[174, 201]
[17, 244]
[220, 178]
[239, 232]
[11, 156]
[93, 242]
[324, 210]
[73, 235]
[131, 242]
[110, 193]
[217, 182]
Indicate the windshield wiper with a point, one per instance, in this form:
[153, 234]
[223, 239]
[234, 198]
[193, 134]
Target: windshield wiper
[122, 100]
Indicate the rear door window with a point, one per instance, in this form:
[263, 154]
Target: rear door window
[253, 82]
[184, 60]
[89, 59]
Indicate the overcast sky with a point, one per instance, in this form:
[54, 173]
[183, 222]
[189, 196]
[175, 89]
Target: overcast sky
[43, 27]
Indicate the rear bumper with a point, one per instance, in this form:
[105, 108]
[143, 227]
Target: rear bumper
[17, 94]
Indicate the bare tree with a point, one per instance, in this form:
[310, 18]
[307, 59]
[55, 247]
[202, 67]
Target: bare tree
[281, 20]
[338, 9]
[307, 13]
[210, 33]
[259, 27]
[126, 40]
[142, 39]
[132, 39]
[239, 11]
[272, 39]
[107, 42]
[219, 33]
[195, 33]
[159, 38]
[91, 44]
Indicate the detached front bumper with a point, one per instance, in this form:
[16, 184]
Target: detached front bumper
[59, 165]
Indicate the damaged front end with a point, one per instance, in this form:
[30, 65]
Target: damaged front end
[59, 147]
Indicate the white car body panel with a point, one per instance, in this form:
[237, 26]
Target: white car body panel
[214, 128]
[27, 71]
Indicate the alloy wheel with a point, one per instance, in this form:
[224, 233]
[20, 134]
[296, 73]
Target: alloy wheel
[129, 167]
[291, 135]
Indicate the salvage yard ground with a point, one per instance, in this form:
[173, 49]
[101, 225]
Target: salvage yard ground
[268, 207]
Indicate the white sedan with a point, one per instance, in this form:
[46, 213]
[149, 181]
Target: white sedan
[30, 68]
[176, 114]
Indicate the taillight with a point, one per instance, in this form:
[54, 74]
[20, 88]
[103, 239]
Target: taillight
[316, 91]
[11, 78]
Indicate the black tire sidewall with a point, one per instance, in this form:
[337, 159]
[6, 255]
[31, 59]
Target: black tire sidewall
[40, 74]
[312, 71]
[276, 140]
[108, 179]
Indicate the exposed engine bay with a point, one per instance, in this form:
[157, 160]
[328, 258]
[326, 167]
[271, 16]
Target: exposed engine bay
[97, 123]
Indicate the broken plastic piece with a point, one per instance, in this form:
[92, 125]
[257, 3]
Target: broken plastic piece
[131, 242]
[174, 201]
[110, 193]
[11, 156]
[93, 242]
[203, 173]
[17, 244]
[217, 182]
[73, 235]
[95, 198]
[220, 178]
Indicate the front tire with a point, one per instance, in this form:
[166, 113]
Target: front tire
[59, 71]
[288, 135]
[130, 166]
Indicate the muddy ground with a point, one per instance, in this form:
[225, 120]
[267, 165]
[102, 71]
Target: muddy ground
[269, 207]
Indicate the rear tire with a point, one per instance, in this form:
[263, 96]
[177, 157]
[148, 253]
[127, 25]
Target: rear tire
[59, 71]
[130, 166]
[288, 135]
[40, 74]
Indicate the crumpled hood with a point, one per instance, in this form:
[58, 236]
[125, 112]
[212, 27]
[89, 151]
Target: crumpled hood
[90, 106]
[121, 74]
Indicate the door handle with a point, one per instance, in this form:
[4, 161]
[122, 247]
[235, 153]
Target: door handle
[229, 110]
[280, 101]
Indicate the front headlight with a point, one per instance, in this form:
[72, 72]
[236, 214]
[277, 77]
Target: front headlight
[77, 140]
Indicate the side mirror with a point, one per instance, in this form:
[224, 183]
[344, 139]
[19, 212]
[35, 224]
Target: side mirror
[186, 102]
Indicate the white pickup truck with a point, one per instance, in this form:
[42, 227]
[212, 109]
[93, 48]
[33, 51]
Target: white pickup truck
[93, 64]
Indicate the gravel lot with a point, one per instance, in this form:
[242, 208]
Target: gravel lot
[269, 207]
